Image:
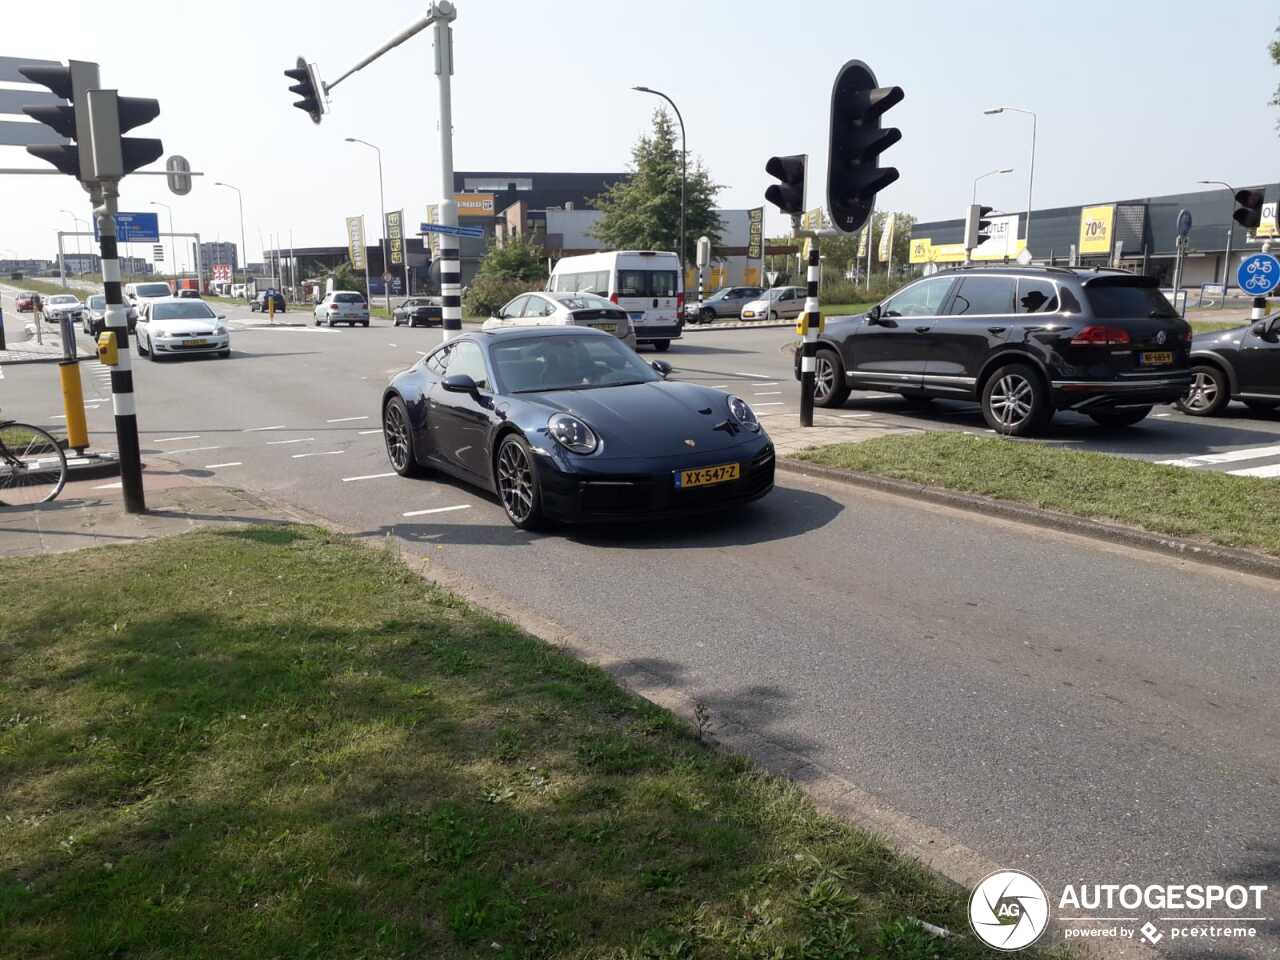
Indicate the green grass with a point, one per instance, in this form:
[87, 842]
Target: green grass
[1236, 511]
[1208, 326]
[274, 743]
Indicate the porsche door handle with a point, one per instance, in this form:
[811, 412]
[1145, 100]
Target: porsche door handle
[996, 329]
[923, 329]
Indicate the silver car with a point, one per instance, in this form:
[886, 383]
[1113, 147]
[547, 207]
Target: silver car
[785, 303]
[171, 326]
[94, 316]
[62, 305]
[556, 309]
[725, 302]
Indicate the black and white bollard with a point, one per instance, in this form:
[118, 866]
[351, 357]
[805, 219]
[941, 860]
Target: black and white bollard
[450, 288]
[809, 349]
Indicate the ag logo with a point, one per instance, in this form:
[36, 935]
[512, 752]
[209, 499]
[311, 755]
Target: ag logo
[1161, 337]
[1008, 910]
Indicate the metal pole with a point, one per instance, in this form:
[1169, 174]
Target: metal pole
[62, 269]
[122, 400]
[809, 351]
[386, 269]
[450, 264]
[1031, 176]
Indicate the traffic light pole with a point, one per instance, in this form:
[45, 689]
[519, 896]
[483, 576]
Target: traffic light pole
[812, 324]
[450, 262]
[105, 198]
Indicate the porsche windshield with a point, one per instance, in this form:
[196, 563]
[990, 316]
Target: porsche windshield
[533, 364]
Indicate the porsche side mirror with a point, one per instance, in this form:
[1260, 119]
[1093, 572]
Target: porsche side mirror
[873, 315]
[221, 316]
[661, 366]
[1259, 329]
[461, 383]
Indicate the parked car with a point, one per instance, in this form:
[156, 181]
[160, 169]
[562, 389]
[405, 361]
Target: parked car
[173, 326]
[139, 293]
[1238, 364]
[784, 303]
[568, 424]
[260, 303]
[564, 310]
[725, 302]
[94, 317]
[419, 312]
[645, 283]
[342, 306]
[187, 293]
[1021, 341]
[62, 305]
[25, 301]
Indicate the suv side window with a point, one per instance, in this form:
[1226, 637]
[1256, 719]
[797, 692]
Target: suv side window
[1037, 295]
[537, 307]
[982, 296]
[922, 299]
[469, 359]
[515, 308]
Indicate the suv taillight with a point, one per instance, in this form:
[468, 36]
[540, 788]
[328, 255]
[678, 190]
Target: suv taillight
[613, 298]
[679, 304]
[1096, 335]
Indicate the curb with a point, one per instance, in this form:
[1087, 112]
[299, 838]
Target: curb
[709, 327]
[50, 359]
[1230, 558]
[96, 469]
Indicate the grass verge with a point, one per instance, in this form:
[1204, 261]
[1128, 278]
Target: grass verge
[275, 743]
[1235, 511]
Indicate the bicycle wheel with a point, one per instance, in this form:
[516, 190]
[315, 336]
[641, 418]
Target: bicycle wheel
[33, 468]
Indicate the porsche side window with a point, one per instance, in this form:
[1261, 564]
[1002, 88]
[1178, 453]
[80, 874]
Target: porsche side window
[438, 361]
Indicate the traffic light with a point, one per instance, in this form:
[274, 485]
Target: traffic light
[787, 196]
[110, 115]
[70, 121]
[977, 228]
[1248, 207]
[854, 174]
[308, 87]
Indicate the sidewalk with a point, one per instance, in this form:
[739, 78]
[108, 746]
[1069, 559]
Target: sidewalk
[23, 347]
[789, 438]
[91, 513]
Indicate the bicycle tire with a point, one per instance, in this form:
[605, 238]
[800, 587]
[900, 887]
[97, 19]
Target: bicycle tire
[33, 465]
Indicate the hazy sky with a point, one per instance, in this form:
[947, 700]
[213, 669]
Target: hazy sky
[1133, 99]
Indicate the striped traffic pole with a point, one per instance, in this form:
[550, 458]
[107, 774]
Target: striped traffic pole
[809, 350]
[699, 318]
[450, 287]
[122, 403]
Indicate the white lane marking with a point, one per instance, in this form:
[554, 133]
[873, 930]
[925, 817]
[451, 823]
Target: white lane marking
[773, 384]
[718, 386]
[216, 466]
[347, 419]
[1161, 416]
[753, 376]
[1230, 456]
[58, 416]
[854, 416]
[276, 443]
[367, 476]
[365, 433]
[278, 426]
[110, 486]
[191, 450]
[423, 513]
[322, 453]
[767, 393]
[1270, 470]
[421, 353]
[190, 436]
[772, 403]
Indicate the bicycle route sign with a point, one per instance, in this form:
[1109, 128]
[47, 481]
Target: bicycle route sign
[1259, 274]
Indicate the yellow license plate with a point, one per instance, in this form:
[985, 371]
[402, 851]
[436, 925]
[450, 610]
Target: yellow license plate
[606, 327]
[748, 314]
[195, 343]
[704, 476]
[1161, 359]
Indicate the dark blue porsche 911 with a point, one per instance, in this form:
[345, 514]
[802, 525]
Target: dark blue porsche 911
[570, 424]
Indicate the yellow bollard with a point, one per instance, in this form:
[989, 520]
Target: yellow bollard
[73, 404]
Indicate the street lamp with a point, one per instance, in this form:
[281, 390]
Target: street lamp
[172, 256]
[983, 176]
[1226, 259]
[1031, 176]
[684, 170]
[77, 221]
[382, 208]
[244, 251]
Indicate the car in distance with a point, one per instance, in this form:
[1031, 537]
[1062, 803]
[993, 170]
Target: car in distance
[342, 306]
[94, 315]
[139, 293]
[173, 327]
[419, 312]
[25, 302]
[187, 293]
[62, 305]
[1022, 342]
[784, 303]
[645, 283]
[570, 424]
[725, 302]
[261, 303]
[1238, 364]
[564, 310]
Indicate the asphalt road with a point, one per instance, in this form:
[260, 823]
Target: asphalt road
[1082, 711]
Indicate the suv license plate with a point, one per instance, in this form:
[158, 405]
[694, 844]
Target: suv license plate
[704, 476]
[1159, 359]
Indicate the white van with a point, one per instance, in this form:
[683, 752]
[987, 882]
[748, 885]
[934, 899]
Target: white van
[645, 283]
[138, 293]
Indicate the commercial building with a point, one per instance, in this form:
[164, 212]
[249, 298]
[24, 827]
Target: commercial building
[75, 263]
[219, 252]
[28, 268]
[1136, 234]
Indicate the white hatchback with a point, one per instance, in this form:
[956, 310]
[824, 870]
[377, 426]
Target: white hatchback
[545, 309]
[342, 306]
[170, 327]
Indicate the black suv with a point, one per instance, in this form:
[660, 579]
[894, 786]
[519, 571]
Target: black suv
[259, 303]
[1021, 341]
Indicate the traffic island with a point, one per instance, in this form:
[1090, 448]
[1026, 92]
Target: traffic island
[268, 737]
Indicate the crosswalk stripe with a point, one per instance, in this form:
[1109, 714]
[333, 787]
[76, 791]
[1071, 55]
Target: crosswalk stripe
[1229, 456]
[1269, 470]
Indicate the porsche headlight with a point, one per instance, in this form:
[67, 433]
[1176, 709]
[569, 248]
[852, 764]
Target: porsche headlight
[572, 434]
[741, 411]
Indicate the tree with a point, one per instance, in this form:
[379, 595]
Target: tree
[516, 259]
[347, 277]
[643, 212]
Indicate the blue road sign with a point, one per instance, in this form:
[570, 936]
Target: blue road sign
[1259, 274]
[450, 231]
[134, 228]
